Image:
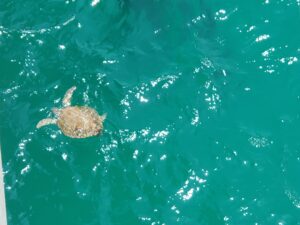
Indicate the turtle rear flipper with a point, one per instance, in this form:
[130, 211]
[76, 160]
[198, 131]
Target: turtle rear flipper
[68, 96]
[45, 122]
[103, 117]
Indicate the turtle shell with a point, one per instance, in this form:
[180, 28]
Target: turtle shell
[79, 121]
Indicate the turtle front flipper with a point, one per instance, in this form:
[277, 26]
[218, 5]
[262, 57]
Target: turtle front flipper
[67, 98]
[45, 122]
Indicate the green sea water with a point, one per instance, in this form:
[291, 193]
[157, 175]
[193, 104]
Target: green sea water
[203, 111]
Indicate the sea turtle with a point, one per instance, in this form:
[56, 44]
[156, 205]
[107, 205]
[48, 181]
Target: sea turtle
[75, 121]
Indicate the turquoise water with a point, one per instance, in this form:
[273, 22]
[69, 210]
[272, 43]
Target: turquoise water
[202, 98]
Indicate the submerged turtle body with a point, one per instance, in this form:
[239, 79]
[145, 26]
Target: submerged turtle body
[79, 121]
[75, 121]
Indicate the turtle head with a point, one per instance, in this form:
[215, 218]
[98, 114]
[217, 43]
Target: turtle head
[56, 111]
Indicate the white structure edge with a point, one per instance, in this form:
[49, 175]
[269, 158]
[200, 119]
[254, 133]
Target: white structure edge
[3, 218]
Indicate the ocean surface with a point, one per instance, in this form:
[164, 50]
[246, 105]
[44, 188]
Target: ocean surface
[203, 111]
